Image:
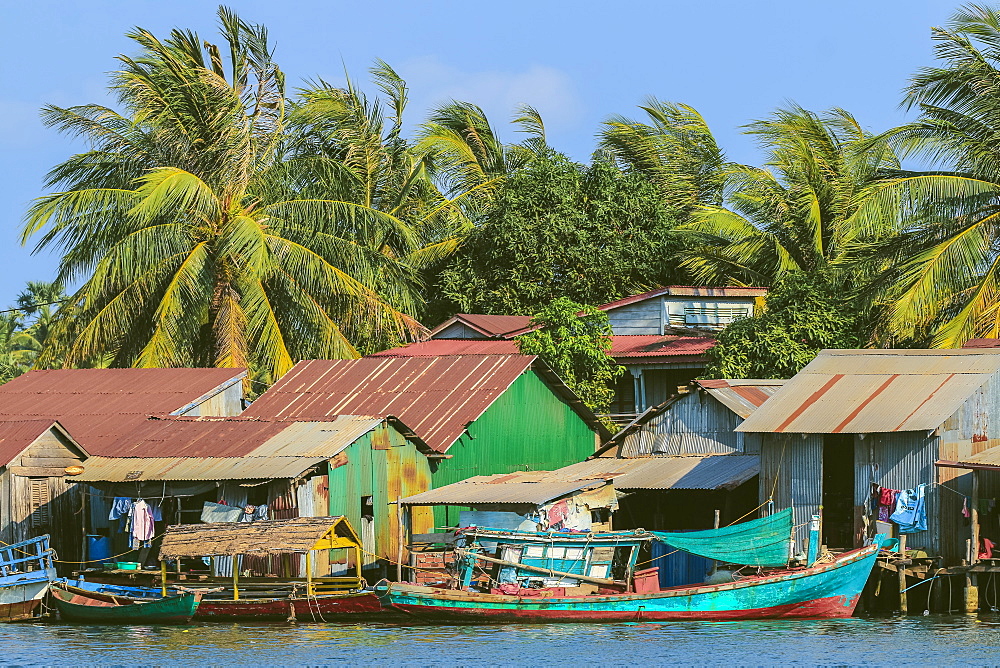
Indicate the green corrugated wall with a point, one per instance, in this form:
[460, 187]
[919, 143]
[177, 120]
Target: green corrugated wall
[396, 468]
[528, 428]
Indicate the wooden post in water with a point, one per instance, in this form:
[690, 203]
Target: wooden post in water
[400, 538]
[715, 525]
[901, 569]
[163, 578]
[309, 574]
[971, 588]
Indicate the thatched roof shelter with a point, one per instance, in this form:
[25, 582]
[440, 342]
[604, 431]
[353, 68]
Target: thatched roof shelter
[301, 534]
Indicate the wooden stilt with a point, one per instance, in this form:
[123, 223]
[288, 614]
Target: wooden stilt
[715, 525]
[400, 539]
[309, 574]
[163, 578]
[236, 577]
[902, 575]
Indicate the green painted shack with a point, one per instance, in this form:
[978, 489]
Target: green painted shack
[480, 414]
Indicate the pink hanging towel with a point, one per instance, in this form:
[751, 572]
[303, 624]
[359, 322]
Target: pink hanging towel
[142, 524]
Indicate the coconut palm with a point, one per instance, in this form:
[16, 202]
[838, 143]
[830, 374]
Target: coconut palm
[673, 147]
[943, 285]
[470, 159]
[203, 233]
[809, 208]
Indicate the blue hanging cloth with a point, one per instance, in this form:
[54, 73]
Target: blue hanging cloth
[911, 510]
[763, 542]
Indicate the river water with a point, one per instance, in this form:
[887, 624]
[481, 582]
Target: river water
[932, 640]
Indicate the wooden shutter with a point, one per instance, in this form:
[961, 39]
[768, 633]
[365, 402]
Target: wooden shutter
[40, 506]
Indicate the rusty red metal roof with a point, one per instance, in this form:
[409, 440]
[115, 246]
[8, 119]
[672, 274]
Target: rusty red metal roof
[494, 326]
[98, 406]
[195, 437]
[628, 349]
[436, 397]
[17, 435]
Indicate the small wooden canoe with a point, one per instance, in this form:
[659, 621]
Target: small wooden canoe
[78, 605]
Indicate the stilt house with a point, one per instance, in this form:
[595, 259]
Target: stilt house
[855, 420]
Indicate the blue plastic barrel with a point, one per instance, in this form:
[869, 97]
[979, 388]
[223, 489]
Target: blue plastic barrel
[98, 549]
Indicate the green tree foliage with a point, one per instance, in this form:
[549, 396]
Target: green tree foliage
[212, 228]
[812, 205]
[574, 340]
[673, 148]
[805, 313]
[591, 234]
[942, 282]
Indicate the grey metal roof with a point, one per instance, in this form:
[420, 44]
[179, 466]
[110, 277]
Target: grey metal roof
[705, 472]
[127, 469]
[675, 472]
[294, 449]
[528, 487]
[875, 391]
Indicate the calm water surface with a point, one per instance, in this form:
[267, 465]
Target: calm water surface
[925, 641]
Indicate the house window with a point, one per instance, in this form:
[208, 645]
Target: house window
[713, 317]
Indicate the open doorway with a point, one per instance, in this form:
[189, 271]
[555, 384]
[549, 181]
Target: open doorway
[838, 491]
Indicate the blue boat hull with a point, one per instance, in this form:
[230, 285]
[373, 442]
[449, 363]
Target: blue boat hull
[826, 591]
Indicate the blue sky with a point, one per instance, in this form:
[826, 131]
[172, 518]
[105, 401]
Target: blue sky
[577, 62]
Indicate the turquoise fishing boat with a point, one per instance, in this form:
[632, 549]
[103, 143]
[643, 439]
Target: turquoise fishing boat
[558, 577]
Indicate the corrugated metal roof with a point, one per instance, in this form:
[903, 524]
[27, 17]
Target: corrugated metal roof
[436, 397]
[632, 346]
[623, 347]
[506, 488]
[681, 472]
[17, 435]
[875, 391]
[987, 459]
[487, 325]
[128, 469]
[242, 437]
[228, 448]
[98, 406]
[686, 291]
[742, 396]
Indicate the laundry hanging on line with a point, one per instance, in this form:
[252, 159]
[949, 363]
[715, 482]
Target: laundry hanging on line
[911, 510]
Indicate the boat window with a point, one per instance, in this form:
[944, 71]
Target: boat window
[622, 560]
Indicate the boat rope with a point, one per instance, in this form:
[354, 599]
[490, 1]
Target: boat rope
[88, 561]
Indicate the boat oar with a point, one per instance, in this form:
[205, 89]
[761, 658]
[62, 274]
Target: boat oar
[538, 569]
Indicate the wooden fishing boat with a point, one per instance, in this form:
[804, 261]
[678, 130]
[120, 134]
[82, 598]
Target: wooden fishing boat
[553, 588]
[80, 605]
[350, 606]
[217, 604]
[25, 573]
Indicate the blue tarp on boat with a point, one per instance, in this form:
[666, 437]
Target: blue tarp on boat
[762, 542]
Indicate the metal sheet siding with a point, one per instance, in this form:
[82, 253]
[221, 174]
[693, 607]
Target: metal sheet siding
[805, 463]
[695, 424]
[384, 474]
[901, 461]
[527, 428]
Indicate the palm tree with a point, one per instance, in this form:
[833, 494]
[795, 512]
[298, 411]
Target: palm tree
[203, 231]
[470, 159]
[674, 148]
[943, 285]
[809, 208]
